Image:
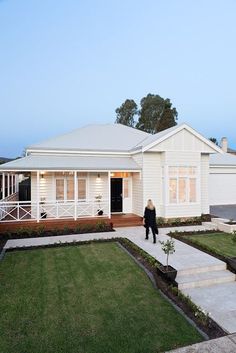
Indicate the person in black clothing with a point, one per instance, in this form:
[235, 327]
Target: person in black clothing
[149, 220]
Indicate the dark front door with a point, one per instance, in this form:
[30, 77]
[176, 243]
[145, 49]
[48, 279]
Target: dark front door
[116, 195]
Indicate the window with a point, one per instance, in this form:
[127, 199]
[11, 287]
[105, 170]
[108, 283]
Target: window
[173, 190]
[82, 189]
[192, 190]
[182, 184]
[70, 189]
[182, 190]
[65, 189]
[59, 189]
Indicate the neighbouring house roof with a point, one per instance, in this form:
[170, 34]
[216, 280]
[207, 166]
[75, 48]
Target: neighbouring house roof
[222, 159]
[100, 137]
[231, 150]
[52, 162]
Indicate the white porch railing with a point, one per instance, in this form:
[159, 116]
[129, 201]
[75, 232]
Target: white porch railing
[27, 210]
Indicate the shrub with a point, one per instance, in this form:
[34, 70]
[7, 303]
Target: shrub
[160, 221]
[40, 230]
[100, 226]
[198, 312]
[234, 236]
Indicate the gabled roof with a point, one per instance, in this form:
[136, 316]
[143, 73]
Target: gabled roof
[155, 139]
[57, 162]
[100, 137]
[112, 138]
[223, 159]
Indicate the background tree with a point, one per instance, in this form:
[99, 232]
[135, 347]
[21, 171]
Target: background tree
[126, 112]
[168, 117]
[155, 114]
[152, 108]
[214, 140]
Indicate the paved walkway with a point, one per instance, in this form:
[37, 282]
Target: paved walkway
[219, 300]
[225, 344]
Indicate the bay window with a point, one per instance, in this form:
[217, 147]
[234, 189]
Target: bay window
[182, 181]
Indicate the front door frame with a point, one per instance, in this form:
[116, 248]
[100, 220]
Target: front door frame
[111, 180]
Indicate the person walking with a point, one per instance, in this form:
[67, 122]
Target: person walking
[149, 220]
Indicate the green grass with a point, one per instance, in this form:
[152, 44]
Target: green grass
[85, 299]
[220, 243]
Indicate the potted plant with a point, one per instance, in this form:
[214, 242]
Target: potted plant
[99, 210]
[43, 213]
[167, 271]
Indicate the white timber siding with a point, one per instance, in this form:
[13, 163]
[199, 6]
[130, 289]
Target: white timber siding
[152, 176]
[183, 141]
[205, 184]
[182, 158]
[222, 186]
[137, 187]
[46, 187]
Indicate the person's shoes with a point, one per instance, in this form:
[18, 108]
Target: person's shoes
[146, 238]
[154, 242]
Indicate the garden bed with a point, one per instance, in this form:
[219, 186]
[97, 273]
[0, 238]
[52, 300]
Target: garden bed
[180, 222]
[40, 231]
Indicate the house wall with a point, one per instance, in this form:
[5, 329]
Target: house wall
[137, 187]
[222, 186]
[183, 141]
[205, 209]
[152, 175]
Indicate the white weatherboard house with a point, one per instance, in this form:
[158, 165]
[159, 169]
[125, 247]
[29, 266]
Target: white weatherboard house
[99, 170]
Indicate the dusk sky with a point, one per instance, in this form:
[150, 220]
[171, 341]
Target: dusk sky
[65, 64]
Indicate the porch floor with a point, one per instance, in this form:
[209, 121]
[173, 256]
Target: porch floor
[118, 220]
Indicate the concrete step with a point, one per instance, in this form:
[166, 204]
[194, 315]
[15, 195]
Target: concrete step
[209, 225]
[204, 279]
[219, 220]
[220, 266]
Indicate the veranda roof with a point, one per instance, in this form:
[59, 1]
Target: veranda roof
[52, 162]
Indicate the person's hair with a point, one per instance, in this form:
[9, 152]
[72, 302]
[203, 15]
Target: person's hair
[150, 205]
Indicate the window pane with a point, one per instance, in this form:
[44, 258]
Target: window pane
[173, 190]
[126, 188]
[81, 189]
[59, 189]
[183, 171]
[192, 170]
[173, 171]
[192, 190]
[182, 190]
[70, 189]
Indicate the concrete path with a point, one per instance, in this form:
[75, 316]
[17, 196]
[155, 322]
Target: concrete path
[217, 299]
[225, 344]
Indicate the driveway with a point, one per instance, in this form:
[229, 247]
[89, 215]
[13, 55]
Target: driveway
[224, 211]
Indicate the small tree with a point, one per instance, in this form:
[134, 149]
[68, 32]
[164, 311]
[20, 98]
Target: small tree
[168, 247]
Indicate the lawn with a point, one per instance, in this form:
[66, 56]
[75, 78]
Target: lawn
[84, 299]
[220, 243]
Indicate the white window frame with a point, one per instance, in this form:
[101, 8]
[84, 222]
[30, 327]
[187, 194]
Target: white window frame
[177, 176]
[86, 189]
